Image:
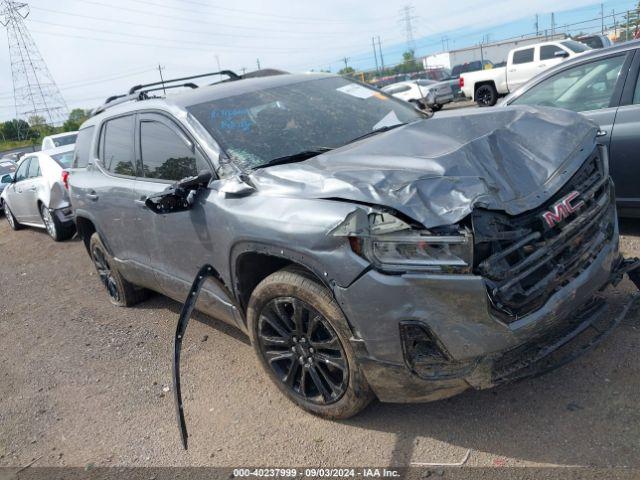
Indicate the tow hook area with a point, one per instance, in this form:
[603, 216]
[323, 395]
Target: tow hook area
[630, 266]
[187, 309]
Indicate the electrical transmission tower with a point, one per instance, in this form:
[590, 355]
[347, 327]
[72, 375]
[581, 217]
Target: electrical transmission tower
[35, 92]
[407, 14]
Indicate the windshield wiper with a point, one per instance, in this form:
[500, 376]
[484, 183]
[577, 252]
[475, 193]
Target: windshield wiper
[295, 157]
[376, 131]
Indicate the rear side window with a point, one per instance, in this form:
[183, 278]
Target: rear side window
[165, 155]
[523, 56]
[117, 147]
[548, 52]
[83, 148]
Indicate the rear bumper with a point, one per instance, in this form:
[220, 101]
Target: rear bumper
[478, 350]
[64, 215]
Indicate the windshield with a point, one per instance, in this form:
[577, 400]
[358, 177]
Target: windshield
[66, 140]
[257, 127]
[64, 159]
[575, 47]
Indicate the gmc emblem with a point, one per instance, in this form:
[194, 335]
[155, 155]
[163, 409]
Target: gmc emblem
[561, 210]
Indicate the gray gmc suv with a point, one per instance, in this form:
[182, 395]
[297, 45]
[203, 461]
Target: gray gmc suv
[366, 250]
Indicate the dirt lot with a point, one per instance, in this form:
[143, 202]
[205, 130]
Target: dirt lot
[82, 382]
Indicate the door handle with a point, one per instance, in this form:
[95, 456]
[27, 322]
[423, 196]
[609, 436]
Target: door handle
[33, 189]
[541, 65]
[92, 196]
[601, 133]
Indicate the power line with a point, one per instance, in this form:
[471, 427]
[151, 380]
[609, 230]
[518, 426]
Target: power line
[283, 34]
[209, 23]
[262, 15]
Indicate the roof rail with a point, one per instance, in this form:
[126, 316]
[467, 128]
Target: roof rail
[232, 76]
[139, 92]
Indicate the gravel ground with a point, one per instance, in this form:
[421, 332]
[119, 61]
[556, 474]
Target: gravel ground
[83, 382]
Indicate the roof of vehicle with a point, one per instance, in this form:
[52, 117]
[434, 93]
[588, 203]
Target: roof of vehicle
[57, 150]
[207, 93]
[398, 84]
[64, 134]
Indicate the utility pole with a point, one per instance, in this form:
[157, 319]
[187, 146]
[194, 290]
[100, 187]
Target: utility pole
[375, 54]
[602, 18]
[553, 25]
[258, 63]
[346, 62]
[162, 79]
[381, 57]
[537, 25]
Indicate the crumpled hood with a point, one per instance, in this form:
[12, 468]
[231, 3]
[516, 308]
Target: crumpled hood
[435, 171]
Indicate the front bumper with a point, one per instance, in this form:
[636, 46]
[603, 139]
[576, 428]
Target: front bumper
[481, 351]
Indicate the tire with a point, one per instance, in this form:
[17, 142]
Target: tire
[121, 292]
[11, 219]
[436, 107]
[311, 361]
[54, 226]
[486, 95]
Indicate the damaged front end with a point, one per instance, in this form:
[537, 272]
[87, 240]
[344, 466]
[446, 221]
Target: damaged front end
[491, 299]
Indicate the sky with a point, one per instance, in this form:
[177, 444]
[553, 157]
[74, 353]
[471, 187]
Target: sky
[98, 48]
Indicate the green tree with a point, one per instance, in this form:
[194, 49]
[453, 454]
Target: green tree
[409, 63]
[77, 117]
[346, 71]
[39, 126]
[16, 130]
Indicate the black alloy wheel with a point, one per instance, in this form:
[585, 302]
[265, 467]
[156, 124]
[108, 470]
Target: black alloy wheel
[486, 96]
[303, 350]
[105, 273]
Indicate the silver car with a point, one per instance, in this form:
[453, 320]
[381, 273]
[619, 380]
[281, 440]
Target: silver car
[36, 195]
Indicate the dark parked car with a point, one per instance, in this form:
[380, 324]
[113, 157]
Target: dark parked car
[366, 250]
[604, 85]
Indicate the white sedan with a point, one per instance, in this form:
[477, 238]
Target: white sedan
[37, 195]
[424, 93]
[59, 140]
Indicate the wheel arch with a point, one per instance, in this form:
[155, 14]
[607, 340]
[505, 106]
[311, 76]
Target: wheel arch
[85, 226]
[251, 264]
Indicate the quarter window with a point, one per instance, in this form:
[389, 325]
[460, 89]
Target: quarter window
[83, 148]
[117, 148]
[165, 155]
[581, 88]
[523, 56]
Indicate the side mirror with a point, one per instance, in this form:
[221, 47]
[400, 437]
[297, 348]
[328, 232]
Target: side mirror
[561, 54]
[180, 196]
[8, 178]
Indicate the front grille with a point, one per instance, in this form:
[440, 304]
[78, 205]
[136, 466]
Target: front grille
[523, 261]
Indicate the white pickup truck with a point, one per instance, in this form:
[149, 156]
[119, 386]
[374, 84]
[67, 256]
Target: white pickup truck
[523, 63]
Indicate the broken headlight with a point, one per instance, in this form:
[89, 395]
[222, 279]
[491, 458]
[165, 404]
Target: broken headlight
[392, 246]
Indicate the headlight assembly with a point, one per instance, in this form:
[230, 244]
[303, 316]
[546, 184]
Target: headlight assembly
[392, 246]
